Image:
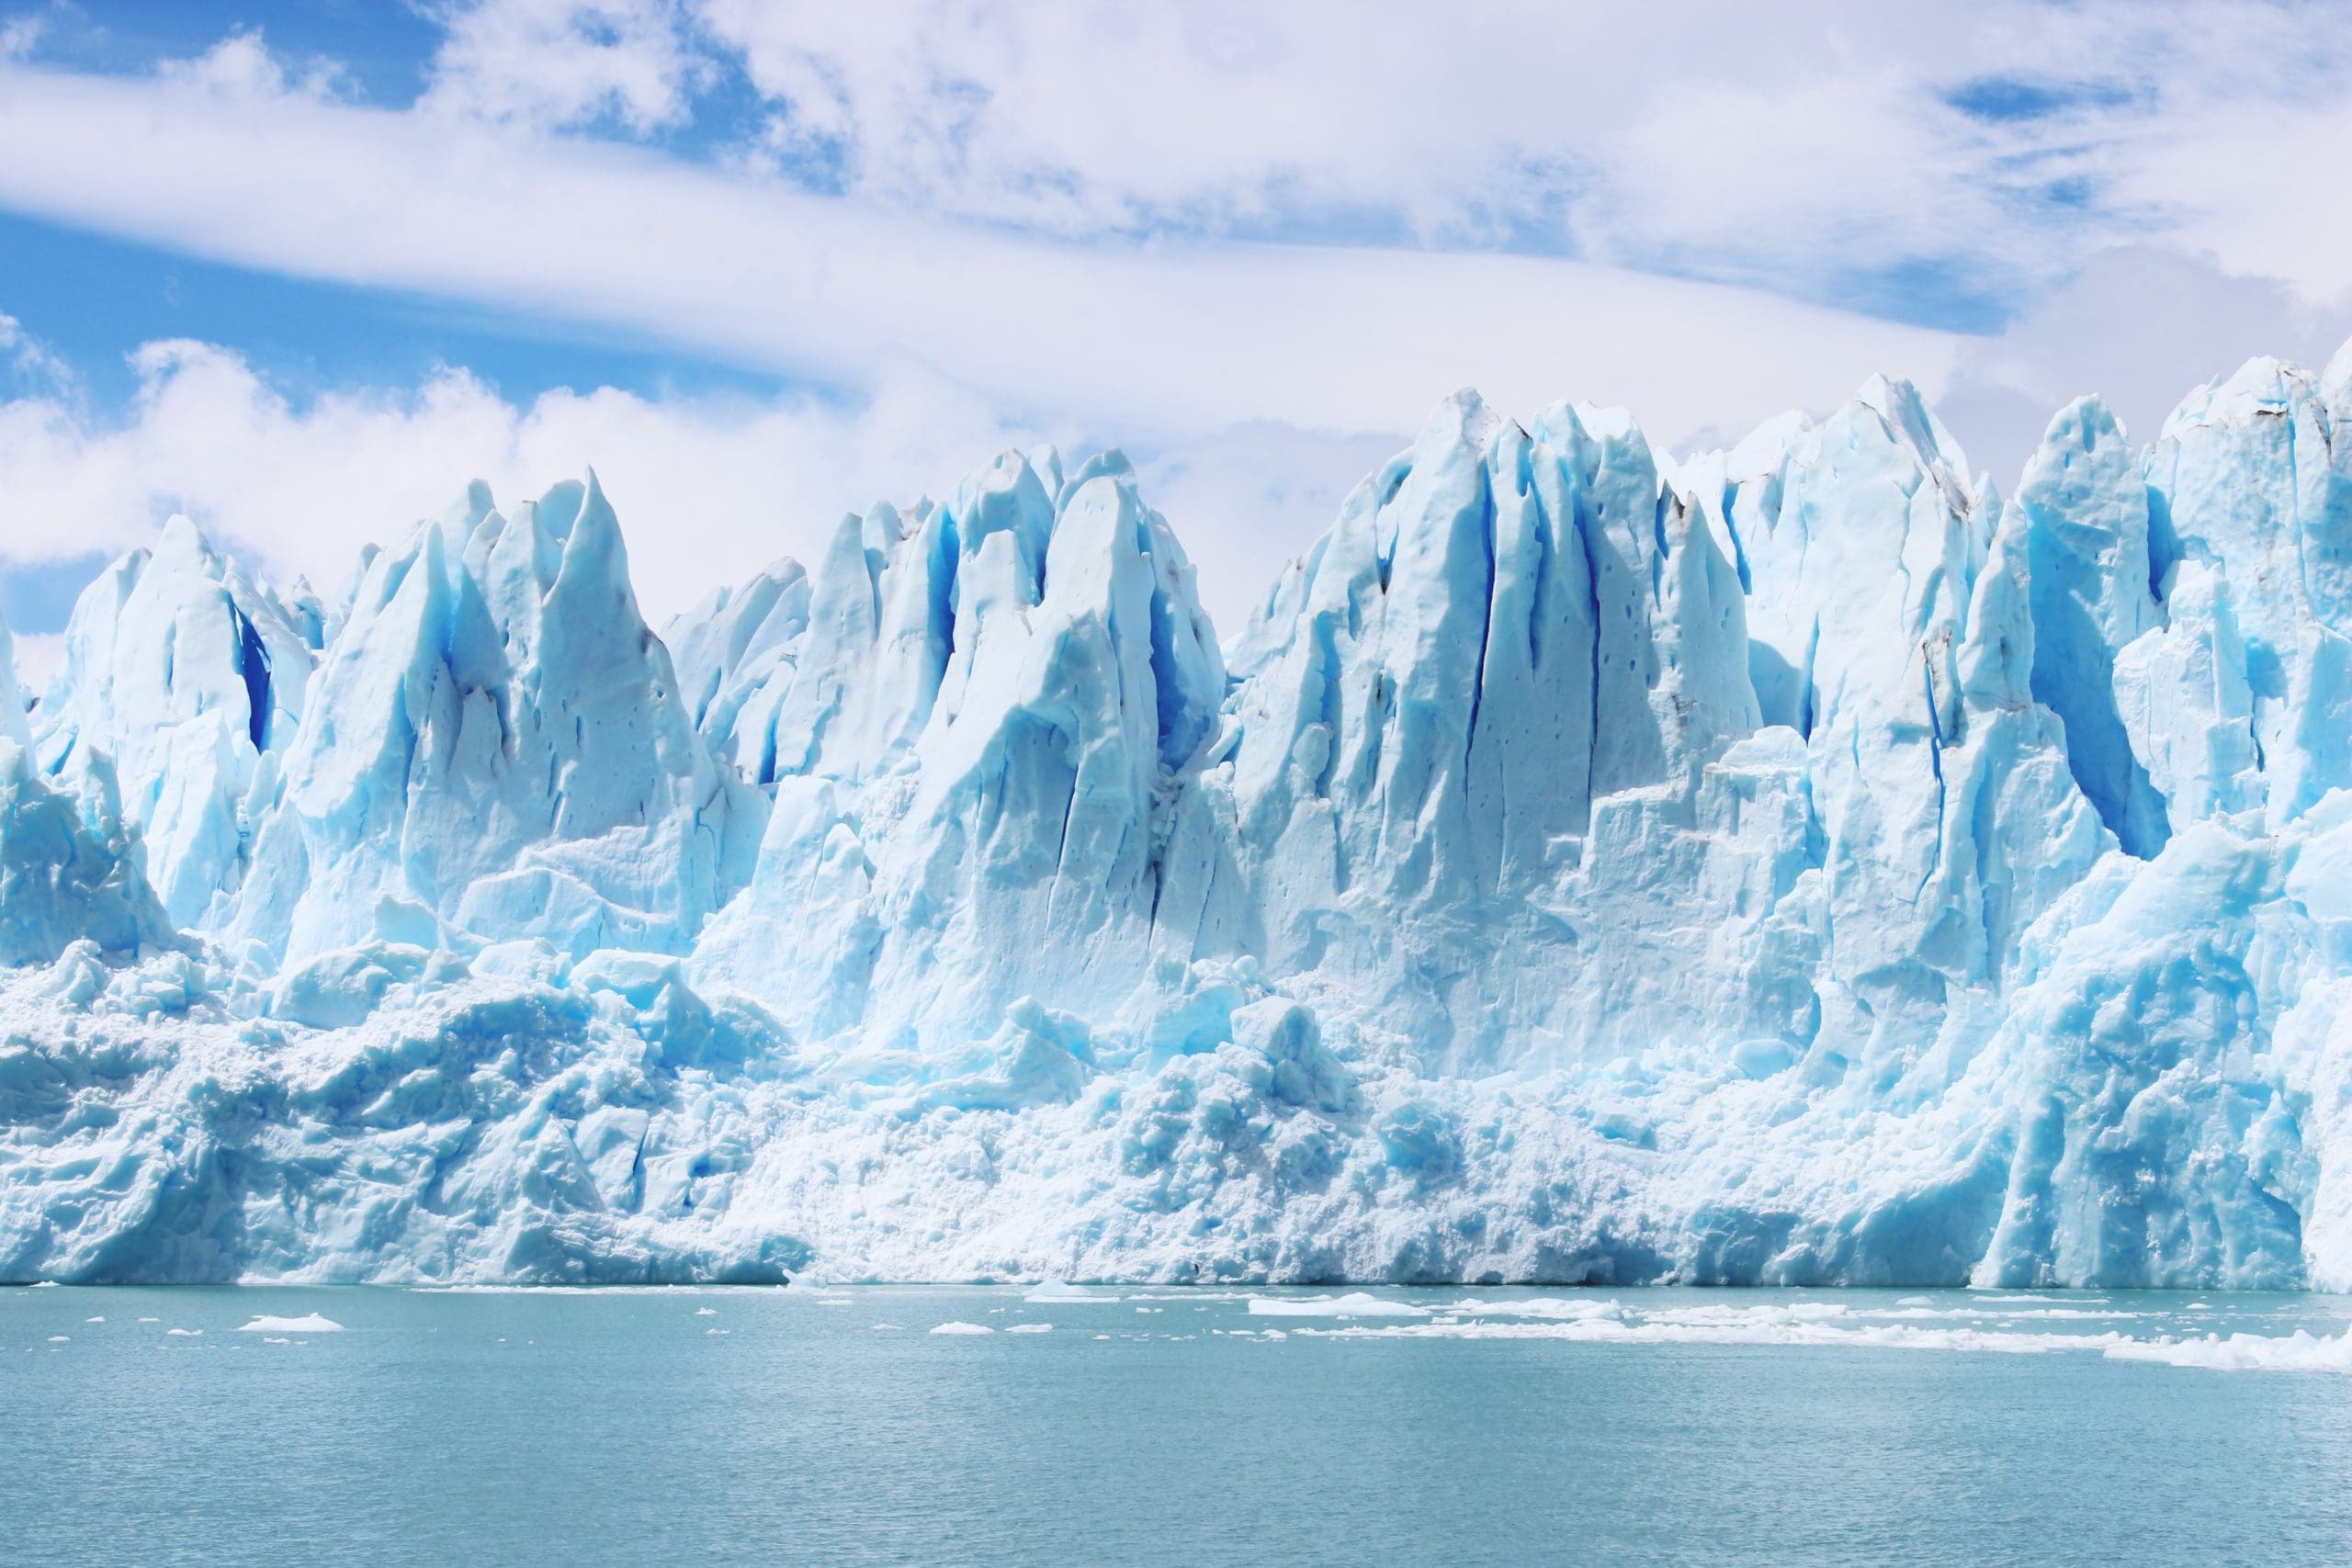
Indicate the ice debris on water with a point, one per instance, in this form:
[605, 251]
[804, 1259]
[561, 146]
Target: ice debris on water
[1802, 863]
[309, 1323]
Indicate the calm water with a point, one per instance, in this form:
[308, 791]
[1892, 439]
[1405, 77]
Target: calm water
[785, 1426]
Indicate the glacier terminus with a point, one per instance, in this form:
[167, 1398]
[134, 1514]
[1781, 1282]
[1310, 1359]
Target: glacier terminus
[1804, 864]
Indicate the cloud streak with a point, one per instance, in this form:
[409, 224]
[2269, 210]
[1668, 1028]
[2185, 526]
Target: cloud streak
[1162, 339]
[960, 227]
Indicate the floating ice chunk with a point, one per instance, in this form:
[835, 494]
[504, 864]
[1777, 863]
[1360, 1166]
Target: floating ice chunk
[1062, 1290]
[2301, 1351]
[186, 1333]
[309, 1323]
[963, 1328]
[1030, 1328]
[1355, 1305]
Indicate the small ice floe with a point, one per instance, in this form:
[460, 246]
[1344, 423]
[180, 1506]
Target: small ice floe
[185, 1333]
[963, 1328]
[713, 1332]
[59, 1339]
[1356, 1305]
[44, 1284]
[151, 1320]
[2301, 1351]
[706, 1312]
[1101, 1337]
[1030, 1328]
[889, 1327]
[276, 1340]
[309, 1323]
[1063, 1290]
[94, 1320]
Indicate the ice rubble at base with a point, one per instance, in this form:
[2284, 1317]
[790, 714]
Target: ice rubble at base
[1799, 863]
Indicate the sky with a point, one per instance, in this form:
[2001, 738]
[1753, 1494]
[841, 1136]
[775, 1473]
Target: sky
[301, 271]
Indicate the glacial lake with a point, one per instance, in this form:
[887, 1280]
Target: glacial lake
[1157, 1426]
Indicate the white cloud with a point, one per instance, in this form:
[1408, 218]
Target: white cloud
[241, 66]
[1791, 144]
[1155, 340]
[708, 490]
[545, 65]
[1254, 381]
[30, 364]
[2095, 334]
[19, 34]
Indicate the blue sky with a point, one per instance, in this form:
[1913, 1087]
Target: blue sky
[302, 270]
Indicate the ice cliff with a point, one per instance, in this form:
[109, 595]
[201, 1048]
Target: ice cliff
[1797, 864]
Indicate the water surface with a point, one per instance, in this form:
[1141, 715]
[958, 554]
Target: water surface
[1170, 1427]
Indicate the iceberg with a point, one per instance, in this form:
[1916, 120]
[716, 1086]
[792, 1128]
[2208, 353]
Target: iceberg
[1802, 863]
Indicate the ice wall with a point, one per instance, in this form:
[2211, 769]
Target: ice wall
[1798, 862]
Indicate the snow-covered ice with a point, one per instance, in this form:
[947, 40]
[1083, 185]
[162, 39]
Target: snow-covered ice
[1800, 863]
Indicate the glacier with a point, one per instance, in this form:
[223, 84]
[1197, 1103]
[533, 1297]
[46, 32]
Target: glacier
[1802, 863]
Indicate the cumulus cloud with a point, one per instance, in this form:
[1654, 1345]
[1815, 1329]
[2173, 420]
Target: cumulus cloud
[240, 67]
[709, 490]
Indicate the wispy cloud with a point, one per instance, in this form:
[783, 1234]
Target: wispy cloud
[1254, 242]
[554, 64]
[1992, 143]
[19, 34]
[1160, 339]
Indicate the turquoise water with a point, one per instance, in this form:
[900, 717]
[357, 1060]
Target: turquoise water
[1165, 1427]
